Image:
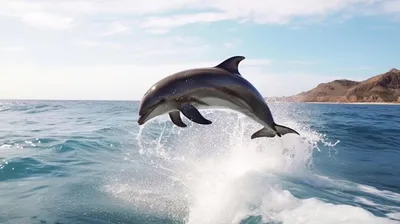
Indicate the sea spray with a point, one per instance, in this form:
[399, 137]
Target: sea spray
[217, 174]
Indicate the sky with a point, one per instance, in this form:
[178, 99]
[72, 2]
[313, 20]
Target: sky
[116, 50]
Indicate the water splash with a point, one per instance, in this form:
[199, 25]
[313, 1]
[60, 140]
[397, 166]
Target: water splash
[217, 174]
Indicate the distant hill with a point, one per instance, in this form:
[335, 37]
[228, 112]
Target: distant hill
[383, 88]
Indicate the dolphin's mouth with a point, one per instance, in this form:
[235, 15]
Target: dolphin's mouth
[142, 118]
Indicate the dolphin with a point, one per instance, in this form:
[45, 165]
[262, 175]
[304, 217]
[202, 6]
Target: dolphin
[221, 86]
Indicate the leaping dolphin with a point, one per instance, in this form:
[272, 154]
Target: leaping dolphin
[221, 86]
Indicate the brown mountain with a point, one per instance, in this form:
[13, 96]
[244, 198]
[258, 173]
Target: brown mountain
[381, 88]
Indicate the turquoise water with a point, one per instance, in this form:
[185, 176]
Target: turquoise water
[89, 162]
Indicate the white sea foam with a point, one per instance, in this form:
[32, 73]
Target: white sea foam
[382, 193]
[217, 174]
[395, 215]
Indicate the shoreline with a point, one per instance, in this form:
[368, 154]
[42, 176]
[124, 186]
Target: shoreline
[355, 103]
[359, 103]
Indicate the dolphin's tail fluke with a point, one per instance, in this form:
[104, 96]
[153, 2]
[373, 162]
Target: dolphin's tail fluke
[263, 132]
[285, 130]
[279, 130]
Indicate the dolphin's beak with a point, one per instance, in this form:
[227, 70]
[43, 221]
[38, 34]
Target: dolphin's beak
[141, 119]
[144, 115]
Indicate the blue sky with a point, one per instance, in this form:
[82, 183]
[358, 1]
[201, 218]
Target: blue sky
[91, 49]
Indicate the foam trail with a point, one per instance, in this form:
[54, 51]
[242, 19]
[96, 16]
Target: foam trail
[217, 174]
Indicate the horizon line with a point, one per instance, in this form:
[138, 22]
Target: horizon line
[57, 99]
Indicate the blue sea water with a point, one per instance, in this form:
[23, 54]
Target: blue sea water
[89, 162]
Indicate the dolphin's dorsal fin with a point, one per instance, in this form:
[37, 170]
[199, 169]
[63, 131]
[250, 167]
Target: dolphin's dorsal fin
[231, 64]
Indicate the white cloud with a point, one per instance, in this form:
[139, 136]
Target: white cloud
[12, 49]
[170, 45]
[392, 6]
[102, 44]
[46, 20]
[157, 31]
[185, 19]
[137, 7]
[92, 7]
[35, 14]
[258, 11]
[60, 13]
[115, 28]
[150, 45]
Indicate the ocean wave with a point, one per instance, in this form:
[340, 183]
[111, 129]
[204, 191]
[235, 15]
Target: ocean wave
[23, 167]
[29, 107]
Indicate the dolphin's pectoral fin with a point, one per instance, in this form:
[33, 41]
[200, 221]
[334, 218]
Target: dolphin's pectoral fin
[176, 119]
[263, 132]
[285, 130]
[193, 114]
[231, 64]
